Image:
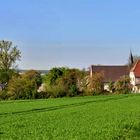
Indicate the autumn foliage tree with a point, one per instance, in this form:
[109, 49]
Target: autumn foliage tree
[21, 88]
[95, 85]
[24, 86]
[33, 75]
[69, 81]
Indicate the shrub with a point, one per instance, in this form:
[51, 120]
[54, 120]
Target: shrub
[95, 85]
[62, 82]
[41, 95]
[33, 75]
[3, 95]
[21, 88]
[123, 85]
[111, 86]
[55, 91]
[73, 90]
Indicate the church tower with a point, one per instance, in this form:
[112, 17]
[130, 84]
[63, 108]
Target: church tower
[131, 59]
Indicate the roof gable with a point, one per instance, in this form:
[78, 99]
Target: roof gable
[136, 69]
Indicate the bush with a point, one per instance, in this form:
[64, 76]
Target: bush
[95, 85]
[73, 91]
[62, 82]
[111, 87]
[3, 95]
[21, 88]
[123, 85]
[55, 91]
[33, 75]
[41, 95]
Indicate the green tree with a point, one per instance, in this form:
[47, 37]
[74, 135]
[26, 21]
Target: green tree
[54, 74]
[62, 82]
[8, 55]
[52, 82]
[5, 76]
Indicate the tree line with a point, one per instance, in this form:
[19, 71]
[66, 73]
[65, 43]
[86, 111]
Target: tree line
[58, 82]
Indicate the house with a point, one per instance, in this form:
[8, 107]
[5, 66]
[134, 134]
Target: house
[111, 73]
[135, 77]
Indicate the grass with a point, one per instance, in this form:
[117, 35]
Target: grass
[79, 118]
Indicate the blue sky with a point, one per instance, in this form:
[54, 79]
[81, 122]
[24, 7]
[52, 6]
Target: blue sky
[74, 33]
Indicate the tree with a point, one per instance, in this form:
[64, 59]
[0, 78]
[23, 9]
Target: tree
[70, 81]
[54, 74]
[21, 88]
[62, 82]
[5, 76]
[83, 81]
[33, 75]
[122, 85]
[8, 55]
[95, 85]
[52, 80]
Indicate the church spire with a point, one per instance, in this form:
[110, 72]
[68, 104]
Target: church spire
[131, 59]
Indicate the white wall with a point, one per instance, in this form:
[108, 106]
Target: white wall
[137, 81]
[134, 81]
[106, 86]
[91, 72]
[132, 78]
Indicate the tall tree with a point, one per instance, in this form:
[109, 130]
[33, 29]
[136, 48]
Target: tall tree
[8, 55]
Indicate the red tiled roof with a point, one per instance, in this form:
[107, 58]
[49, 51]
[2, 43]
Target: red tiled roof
[136, 69]
[111, 73]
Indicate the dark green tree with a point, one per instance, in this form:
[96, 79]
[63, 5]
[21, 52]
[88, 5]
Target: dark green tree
[54, 74]
[5, 76]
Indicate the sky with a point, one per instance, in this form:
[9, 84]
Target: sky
[72, 33]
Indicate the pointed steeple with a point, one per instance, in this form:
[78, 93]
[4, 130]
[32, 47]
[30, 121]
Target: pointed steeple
[131, 59]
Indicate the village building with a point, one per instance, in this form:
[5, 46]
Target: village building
[135, 77]
[110, 73]
[113, 73]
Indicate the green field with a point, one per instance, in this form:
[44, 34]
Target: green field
[80, 118]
